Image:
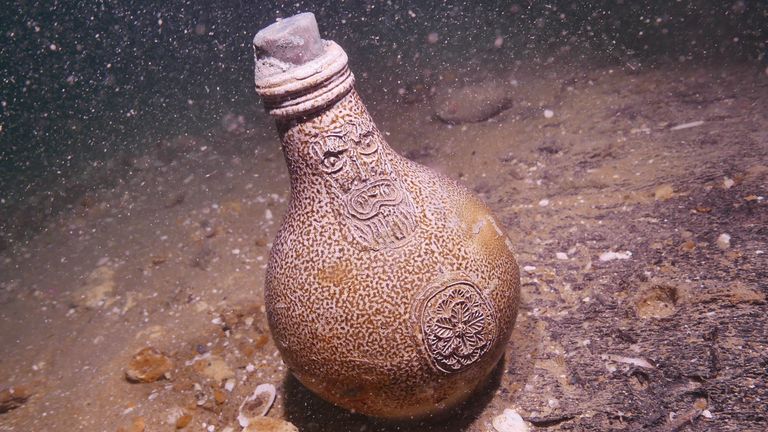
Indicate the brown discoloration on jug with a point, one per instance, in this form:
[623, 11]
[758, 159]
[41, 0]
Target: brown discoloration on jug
[391, 290]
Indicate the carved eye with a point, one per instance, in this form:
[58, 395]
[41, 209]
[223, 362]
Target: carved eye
[368, 143]
[333, 161]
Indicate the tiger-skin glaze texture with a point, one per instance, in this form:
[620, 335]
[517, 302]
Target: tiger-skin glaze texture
[391, 290]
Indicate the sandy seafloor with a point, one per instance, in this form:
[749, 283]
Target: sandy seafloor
[173, 256]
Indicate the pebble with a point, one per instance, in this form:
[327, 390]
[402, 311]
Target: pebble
[97, 290]
[548, 113]
[544, 203]
[13, 397]
[219, 396]
[215, 368]
[268, 424]
[664, 192]
[509, 421]
[183, 421]
[610, 256]
[138, 425]
[148, 365]
[471, 103]
[561, 256]
[229, 385]
[724, 241]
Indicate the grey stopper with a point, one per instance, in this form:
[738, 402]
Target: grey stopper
[294, 40]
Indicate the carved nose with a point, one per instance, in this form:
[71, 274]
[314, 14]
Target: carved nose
[363, 172]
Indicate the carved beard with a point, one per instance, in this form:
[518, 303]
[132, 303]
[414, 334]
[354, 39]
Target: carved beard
[381, 214]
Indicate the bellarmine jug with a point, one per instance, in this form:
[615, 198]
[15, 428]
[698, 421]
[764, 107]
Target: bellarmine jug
[391, 290]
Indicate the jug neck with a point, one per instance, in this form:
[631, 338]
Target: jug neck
[339, 144]
[325, 129]
[341, 167]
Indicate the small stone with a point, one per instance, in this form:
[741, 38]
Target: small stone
[472, 102]
[148, 365]
[209, 228]
[260, 341]
[728, 183]
[215, 368]
[509, 421]
[138, 425]
[268, 424]
[175, 199]
[229, 385]
[544, 203]
[664, 192]
[98, 287]
[610, 256]
[219, 396]
[561, 256]
[548, 113]
[203, 257]
[183, 421]
[724, 241]
[700, 403]
[13, 397]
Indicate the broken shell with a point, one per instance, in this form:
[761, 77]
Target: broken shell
[509, 421]
[257, 404]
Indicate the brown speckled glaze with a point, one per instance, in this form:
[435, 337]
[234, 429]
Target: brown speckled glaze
[391, 290]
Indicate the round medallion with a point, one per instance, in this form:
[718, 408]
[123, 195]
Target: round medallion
[455, 322]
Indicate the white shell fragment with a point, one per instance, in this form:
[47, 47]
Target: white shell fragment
[257, 404]
[509, 421]
[724, 241]
[635, 361]
[687, 125]
[610, 256]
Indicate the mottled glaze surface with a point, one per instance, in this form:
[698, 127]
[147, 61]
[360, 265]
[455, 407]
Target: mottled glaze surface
[391, 290]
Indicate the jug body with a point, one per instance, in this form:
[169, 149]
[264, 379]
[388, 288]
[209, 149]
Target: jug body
[391, 290]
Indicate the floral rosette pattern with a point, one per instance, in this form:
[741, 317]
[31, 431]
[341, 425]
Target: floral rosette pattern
[457, 326]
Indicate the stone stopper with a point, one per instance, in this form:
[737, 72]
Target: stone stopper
[294, 40]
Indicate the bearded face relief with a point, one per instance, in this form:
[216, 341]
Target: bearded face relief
[375, 205]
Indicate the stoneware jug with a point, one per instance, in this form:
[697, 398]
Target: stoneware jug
[391, 290]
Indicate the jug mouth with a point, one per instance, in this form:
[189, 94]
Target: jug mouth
[366, 201]
[289, 90]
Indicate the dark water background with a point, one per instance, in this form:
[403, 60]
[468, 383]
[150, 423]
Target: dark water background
[84, 82]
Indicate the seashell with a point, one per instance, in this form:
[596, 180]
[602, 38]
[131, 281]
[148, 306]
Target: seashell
[257, 404]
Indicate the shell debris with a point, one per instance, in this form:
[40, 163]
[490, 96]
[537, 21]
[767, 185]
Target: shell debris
[509, 421]
[257, 404]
